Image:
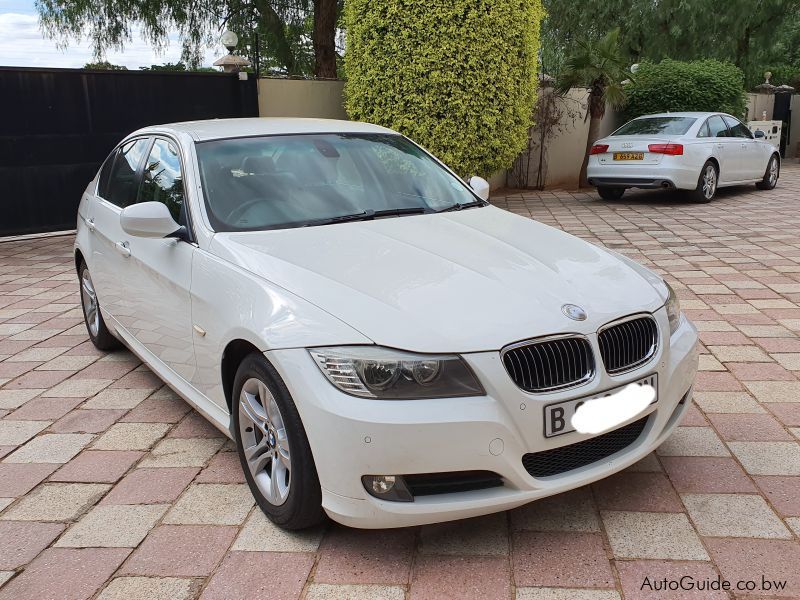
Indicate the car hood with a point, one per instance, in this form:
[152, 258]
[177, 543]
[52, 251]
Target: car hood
[471, 280]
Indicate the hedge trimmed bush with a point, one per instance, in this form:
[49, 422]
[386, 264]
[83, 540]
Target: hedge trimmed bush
[671, 85]
[456, 76]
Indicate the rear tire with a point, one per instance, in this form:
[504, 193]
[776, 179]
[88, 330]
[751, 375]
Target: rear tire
[610, 193]
[706, 184]
[771, 175]
[273, 448]
[92, 315]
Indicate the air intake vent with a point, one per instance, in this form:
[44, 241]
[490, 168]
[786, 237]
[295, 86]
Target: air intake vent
[628, 344]
[580, 454]
[550, 365]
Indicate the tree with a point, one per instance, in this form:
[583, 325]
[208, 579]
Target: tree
[459, 77]
[296, 37]
[600, 67]
[104, 65]
[750, 33]
[179, 67]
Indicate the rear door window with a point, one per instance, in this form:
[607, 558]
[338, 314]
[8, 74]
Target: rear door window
[737, 128]
[717, 127]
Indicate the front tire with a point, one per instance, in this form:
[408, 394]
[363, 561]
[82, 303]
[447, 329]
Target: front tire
[273, 448]
[706, 184]
[92, 316]
[610, 193]
[771, 174]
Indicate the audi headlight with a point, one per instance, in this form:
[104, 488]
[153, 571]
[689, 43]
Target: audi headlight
[673, 307]
[386, 374]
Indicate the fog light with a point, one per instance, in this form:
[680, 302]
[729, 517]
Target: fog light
[387, 487]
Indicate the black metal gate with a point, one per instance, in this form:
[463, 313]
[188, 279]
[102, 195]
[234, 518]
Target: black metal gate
[57, 126]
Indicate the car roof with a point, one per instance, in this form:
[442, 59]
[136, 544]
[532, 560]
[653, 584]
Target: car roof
[214, 129]
[695, 114]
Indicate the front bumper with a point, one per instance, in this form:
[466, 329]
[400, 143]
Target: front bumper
[351, 437]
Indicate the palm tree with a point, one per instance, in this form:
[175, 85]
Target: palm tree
[600, 67]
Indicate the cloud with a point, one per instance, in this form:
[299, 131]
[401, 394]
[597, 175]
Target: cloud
[22, 44]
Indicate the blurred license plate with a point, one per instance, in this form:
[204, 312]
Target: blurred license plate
[628, 155]
[558, 417]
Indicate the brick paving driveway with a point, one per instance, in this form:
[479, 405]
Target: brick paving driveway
[111, 485]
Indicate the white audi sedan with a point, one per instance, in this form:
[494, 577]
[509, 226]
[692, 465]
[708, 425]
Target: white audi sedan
[695, 151]
[381, 344]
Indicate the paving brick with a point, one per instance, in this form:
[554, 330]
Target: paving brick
[768, 458]
[365, 556]
[19, 479]
[149, 588]
[693, 441]
[20, 542]
[487, 536]
[117, 398]
[131, 436]
[223, 468]
[251, 575]
[570, 511]
[752, 559]
[86, 421]
[652, 535]
[538, 559]
[195, 426]
[727, 402]
[744, 428]
[64, 573]
[55, 502]
[180, 551]
[259, 534]
[782, 492]
[705, 474]
[734, 515]
[177, 452]
[548, 593]
[44, 409]
[650, 492]
[158, 410]
[775, 391]
[14, 433]
[97, 466]
[113, 526]
[151, 486]
[463, 577]
[326, 591]
[51, 448]
[212, 504]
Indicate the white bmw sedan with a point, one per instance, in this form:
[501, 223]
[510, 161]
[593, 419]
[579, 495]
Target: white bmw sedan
[694, 151]
[381, 344]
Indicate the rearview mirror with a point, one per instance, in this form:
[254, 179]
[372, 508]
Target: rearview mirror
[150, 220]
[759, 134]
[480, 186]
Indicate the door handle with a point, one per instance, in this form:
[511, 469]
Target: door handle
[122, 248]
[720, 146]
[89, 224]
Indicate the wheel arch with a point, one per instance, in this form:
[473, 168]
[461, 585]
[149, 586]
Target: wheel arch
[235, 352]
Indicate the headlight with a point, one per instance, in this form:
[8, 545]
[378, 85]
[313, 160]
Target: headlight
[385, 374]
[673, 307]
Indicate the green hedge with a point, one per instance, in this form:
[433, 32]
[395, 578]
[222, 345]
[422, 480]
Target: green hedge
[671, 85]
[457, 76]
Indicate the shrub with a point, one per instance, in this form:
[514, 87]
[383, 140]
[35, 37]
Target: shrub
[457, 76]
[671, 85]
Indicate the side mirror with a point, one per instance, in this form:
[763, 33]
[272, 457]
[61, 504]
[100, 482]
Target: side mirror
[480, 186]
[149, 220]
[759, 135]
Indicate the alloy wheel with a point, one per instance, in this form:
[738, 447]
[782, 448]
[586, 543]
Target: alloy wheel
[709, 182]
[265, 441]
[773, 172]
[91, 310]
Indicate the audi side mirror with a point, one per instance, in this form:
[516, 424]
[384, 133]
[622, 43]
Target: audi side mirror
[759, 135]
[480, 186]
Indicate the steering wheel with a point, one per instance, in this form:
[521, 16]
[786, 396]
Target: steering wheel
[237, 212]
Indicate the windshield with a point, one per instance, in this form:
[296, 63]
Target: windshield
[276, 182]
[656, 126]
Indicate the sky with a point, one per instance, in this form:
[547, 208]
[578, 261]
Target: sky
[22, 44]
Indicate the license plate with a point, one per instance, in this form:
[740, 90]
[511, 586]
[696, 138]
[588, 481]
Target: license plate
[628, 155]
[558, 416]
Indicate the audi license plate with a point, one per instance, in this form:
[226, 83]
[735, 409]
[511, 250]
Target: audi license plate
[628, 155]
[558, 416]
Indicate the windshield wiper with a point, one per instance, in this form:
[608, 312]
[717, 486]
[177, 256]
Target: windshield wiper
[461, 206]
[367, 215]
